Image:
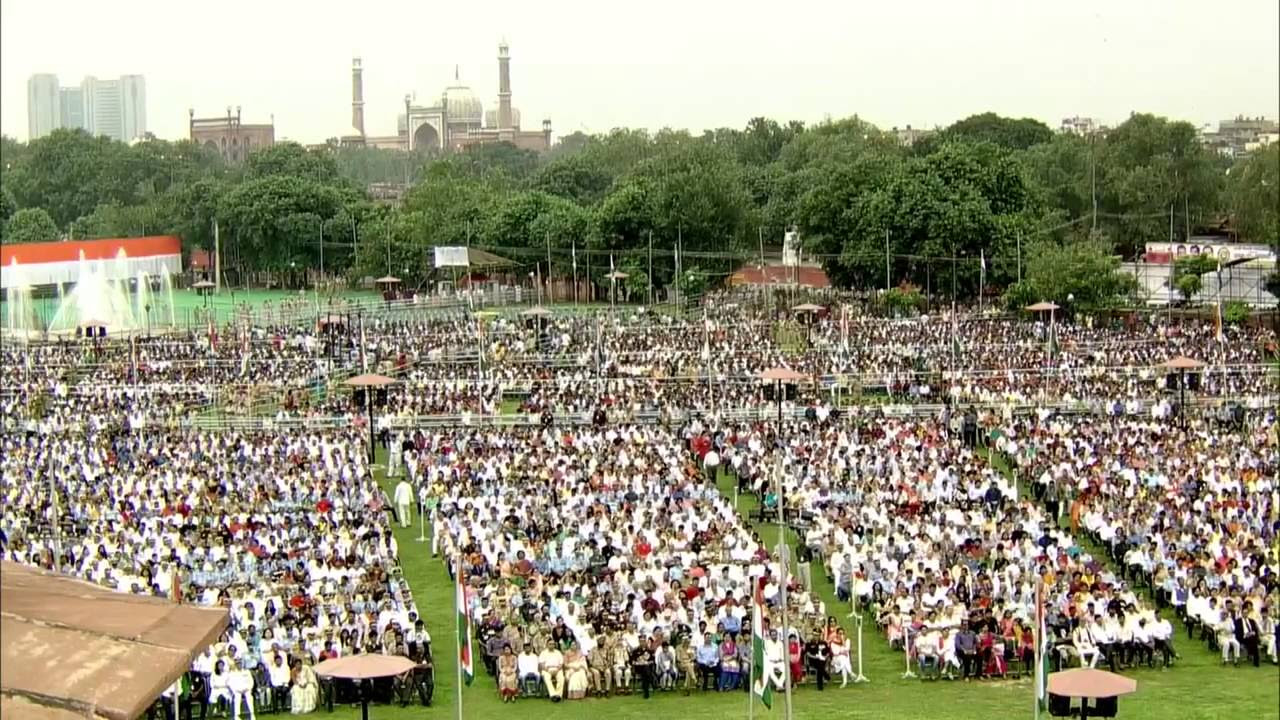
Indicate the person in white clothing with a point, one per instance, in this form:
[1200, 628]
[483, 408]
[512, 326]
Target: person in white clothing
[840, 664]
[218, 689]
[1082, 641]
[1267, 634]
[1227, 640]
[279, 676]
[403, 498]
[240, 683]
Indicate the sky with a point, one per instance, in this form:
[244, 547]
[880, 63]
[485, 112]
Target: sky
[592, 66]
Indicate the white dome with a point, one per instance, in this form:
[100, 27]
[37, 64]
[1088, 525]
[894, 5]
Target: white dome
[462, 105]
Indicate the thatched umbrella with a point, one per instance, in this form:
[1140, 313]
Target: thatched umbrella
[1181, 364]
[365, 667]
[367, 383]
[1090, 684]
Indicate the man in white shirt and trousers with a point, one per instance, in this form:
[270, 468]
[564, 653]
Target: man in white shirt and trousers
[240, 683]
[403, 498]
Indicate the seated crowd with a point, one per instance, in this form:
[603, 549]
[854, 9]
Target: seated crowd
[603, 558]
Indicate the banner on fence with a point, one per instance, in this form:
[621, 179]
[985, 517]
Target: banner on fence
[452, 257]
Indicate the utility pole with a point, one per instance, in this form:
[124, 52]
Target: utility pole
[217, 259]
[888, 273]
[679, 238]
[1019, 254]
[650, 268]
[1093, 178]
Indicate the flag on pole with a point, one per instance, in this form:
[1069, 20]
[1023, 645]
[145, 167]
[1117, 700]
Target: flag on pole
[706, 336]
[762, 688]
[464, 628]
[364, 361]
[1042, 655]
[573, 251]
[955, 335]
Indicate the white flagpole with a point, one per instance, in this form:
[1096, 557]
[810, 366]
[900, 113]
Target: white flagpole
[982, 278]
[906, 652]
[751, 671]
[457, 641]
[857, 618]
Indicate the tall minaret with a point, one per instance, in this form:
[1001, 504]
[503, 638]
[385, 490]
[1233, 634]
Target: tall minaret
[357, 97]
[504, 89]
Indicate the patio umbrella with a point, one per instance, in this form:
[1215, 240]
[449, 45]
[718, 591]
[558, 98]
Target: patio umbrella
[1181, 364]
[1090, 683]
[1042, 307]
[365, 667]
[387, 280]
[366, 383]
[537, 311]
[807, 307]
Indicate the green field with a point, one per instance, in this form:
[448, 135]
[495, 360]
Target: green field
[1197, 688]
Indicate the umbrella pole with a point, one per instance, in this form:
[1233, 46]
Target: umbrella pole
[364, 700]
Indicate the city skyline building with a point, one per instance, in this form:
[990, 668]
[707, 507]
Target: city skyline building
[115, 108]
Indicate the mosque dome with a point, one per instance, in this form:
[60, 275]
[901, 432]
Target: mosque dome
[462, 105]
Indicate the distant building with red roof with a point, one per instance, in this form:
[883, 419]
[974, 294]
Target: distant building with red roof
[777, 274]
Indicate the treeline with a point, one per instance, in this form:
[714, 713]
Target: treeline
[1007, 193]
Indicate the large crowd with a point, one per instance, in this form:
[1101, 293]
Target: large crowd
[598, 550]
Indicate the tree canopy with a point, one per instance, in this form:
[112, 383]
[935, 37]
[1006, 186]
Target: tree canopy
[936, 211]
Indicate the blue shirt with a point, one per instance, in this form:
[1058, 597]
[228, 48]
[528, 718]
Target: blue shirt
[708, 655]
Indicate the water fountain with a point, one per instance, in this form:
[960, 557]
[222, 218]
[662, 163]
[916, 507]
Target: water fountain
[104, 295]
[142, 299]
[20, 313]
[97, 300]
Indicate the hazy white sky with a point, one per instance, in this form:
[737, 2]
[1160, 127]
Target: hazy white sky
[596, 64]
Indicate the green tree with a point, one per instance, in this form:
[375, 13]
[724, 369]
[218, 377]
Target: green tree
[1149, 167]
[573, 177]
[1188, 273]
[1253, 196]
[1005, 132]
[8, 206]
[278, 219]
[1083, 270]
[30, 225]
[292, 160]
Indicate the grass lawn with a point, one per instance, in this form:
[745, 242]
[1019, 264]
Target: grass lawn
[1197, 688]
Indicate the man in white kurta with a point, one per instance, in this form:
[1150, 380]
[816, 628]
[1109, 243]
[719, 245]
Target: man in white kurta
[403, 498]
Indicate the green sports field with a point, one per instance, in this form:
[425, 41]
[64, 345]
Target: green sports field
[1197, 688]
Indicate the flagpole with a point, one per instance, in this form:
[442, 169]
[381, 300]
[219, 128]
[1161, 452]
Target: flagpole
[751, 668]
[982, 278]
[782, 561]
[457, 639]
[573, 248]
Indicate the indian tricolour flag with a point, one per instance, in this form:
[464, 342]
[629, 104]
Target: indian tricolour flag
[760, 669]
[464, 628]
[1042, 650]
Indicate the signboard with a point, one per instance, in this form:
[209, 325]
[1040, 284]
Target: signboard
[451, 257]
[1163, 252]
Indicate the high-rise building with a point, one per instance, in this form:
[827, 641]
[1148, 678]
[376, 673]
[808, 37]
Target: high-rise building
[44, 112]
[71, 100]
[133, 107]
[115, 108]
